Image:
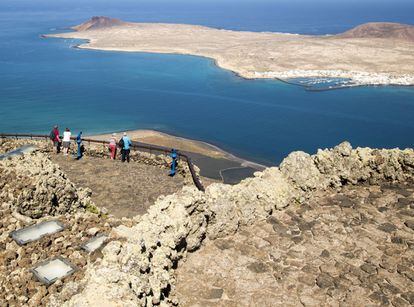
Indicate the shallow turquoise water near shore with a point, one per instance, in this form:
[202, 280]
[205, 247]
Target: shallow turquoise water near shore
[44, 81]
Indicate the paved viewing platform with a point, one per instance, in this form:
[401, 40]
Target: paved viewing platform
[124, 189]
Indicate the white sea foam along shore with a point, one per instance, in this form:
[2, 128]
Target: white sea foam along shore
[357, 77]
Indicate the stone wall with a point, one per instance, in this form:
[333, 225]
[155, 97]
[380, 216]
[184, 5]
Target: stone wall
[11, 144]
[137, 268]
[35, 187]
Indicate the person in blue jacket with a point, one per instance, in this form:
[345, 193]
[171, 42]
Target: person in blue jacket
[126, 147]
[174, 161]
[79, 142]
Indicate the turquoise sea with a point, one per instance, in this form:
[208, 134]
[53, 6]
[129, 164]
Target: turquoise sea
[45, 81]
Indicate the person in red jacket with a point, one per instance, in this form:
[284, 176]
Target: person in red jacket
[54, 137]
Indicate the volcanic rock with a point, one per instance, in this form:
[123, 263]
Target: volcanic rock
[387, 30]
[98, 22]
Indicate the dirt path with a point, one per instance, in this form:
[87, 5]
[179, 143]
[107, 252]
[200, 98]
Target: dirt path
[124, 189]
[354, 247]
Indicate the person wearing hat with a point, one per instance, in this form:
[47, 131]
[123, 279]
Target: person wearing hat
[112, 146]
[126, 144]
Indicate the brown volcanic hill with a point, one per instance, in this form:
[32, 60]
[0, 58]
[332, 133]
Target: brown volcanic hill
[98, 22]
[381, 30]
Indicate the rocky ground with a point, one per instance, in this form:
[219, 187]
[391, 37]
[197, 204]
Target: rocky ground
[328, 229]
[353, 247]
[34, 189]
[141, 270]
[18, 287]
[125, 190]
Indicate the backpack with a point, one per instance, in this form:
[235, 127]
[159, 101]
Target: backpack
[52, 135]
[121, 143]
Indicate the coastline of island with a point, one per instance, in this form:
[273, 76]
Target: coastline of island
[262, 55]
[359, 78]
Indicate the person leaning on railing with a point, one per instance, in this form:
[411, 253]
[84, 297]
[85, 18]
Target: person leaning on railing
[112, 146]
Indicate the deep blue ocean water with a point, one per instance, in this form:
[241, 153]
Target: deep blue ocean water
[45, 81]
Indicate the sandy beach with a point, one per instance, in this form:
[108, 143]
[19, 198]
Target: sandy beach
[384, 60]
[167, 140]
[214, 162]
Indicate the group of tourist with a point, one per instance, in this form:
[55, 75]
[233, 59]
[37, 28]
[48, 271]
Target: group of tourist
[58, 143]
[124, 144]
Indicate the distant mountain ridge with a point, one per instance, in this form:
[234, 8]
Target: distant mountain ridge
[381, 30]
[98, 22]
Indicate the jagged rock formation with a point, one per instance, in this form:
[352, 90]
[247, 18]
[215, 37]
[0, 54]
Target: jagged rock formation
[137, 268]
[36, 187]
[32, 189]
[138, 265]
[344, 165]
[7, 145]
[98, 22]
[387, 30]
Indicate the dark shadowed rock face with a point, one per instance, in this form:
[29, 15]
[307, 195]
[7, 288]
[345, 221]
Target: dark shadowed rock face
[98, 22]
[381, 30]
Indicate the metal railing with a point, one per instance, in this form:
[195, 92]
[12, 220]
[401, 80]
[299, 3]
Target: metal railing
[135, 145]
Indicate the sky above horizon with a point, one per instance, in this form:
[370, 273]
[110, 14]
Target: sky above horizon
[57, 3]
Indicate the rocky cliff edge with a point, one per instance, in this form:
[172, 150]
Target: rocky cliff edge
[137, 268]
